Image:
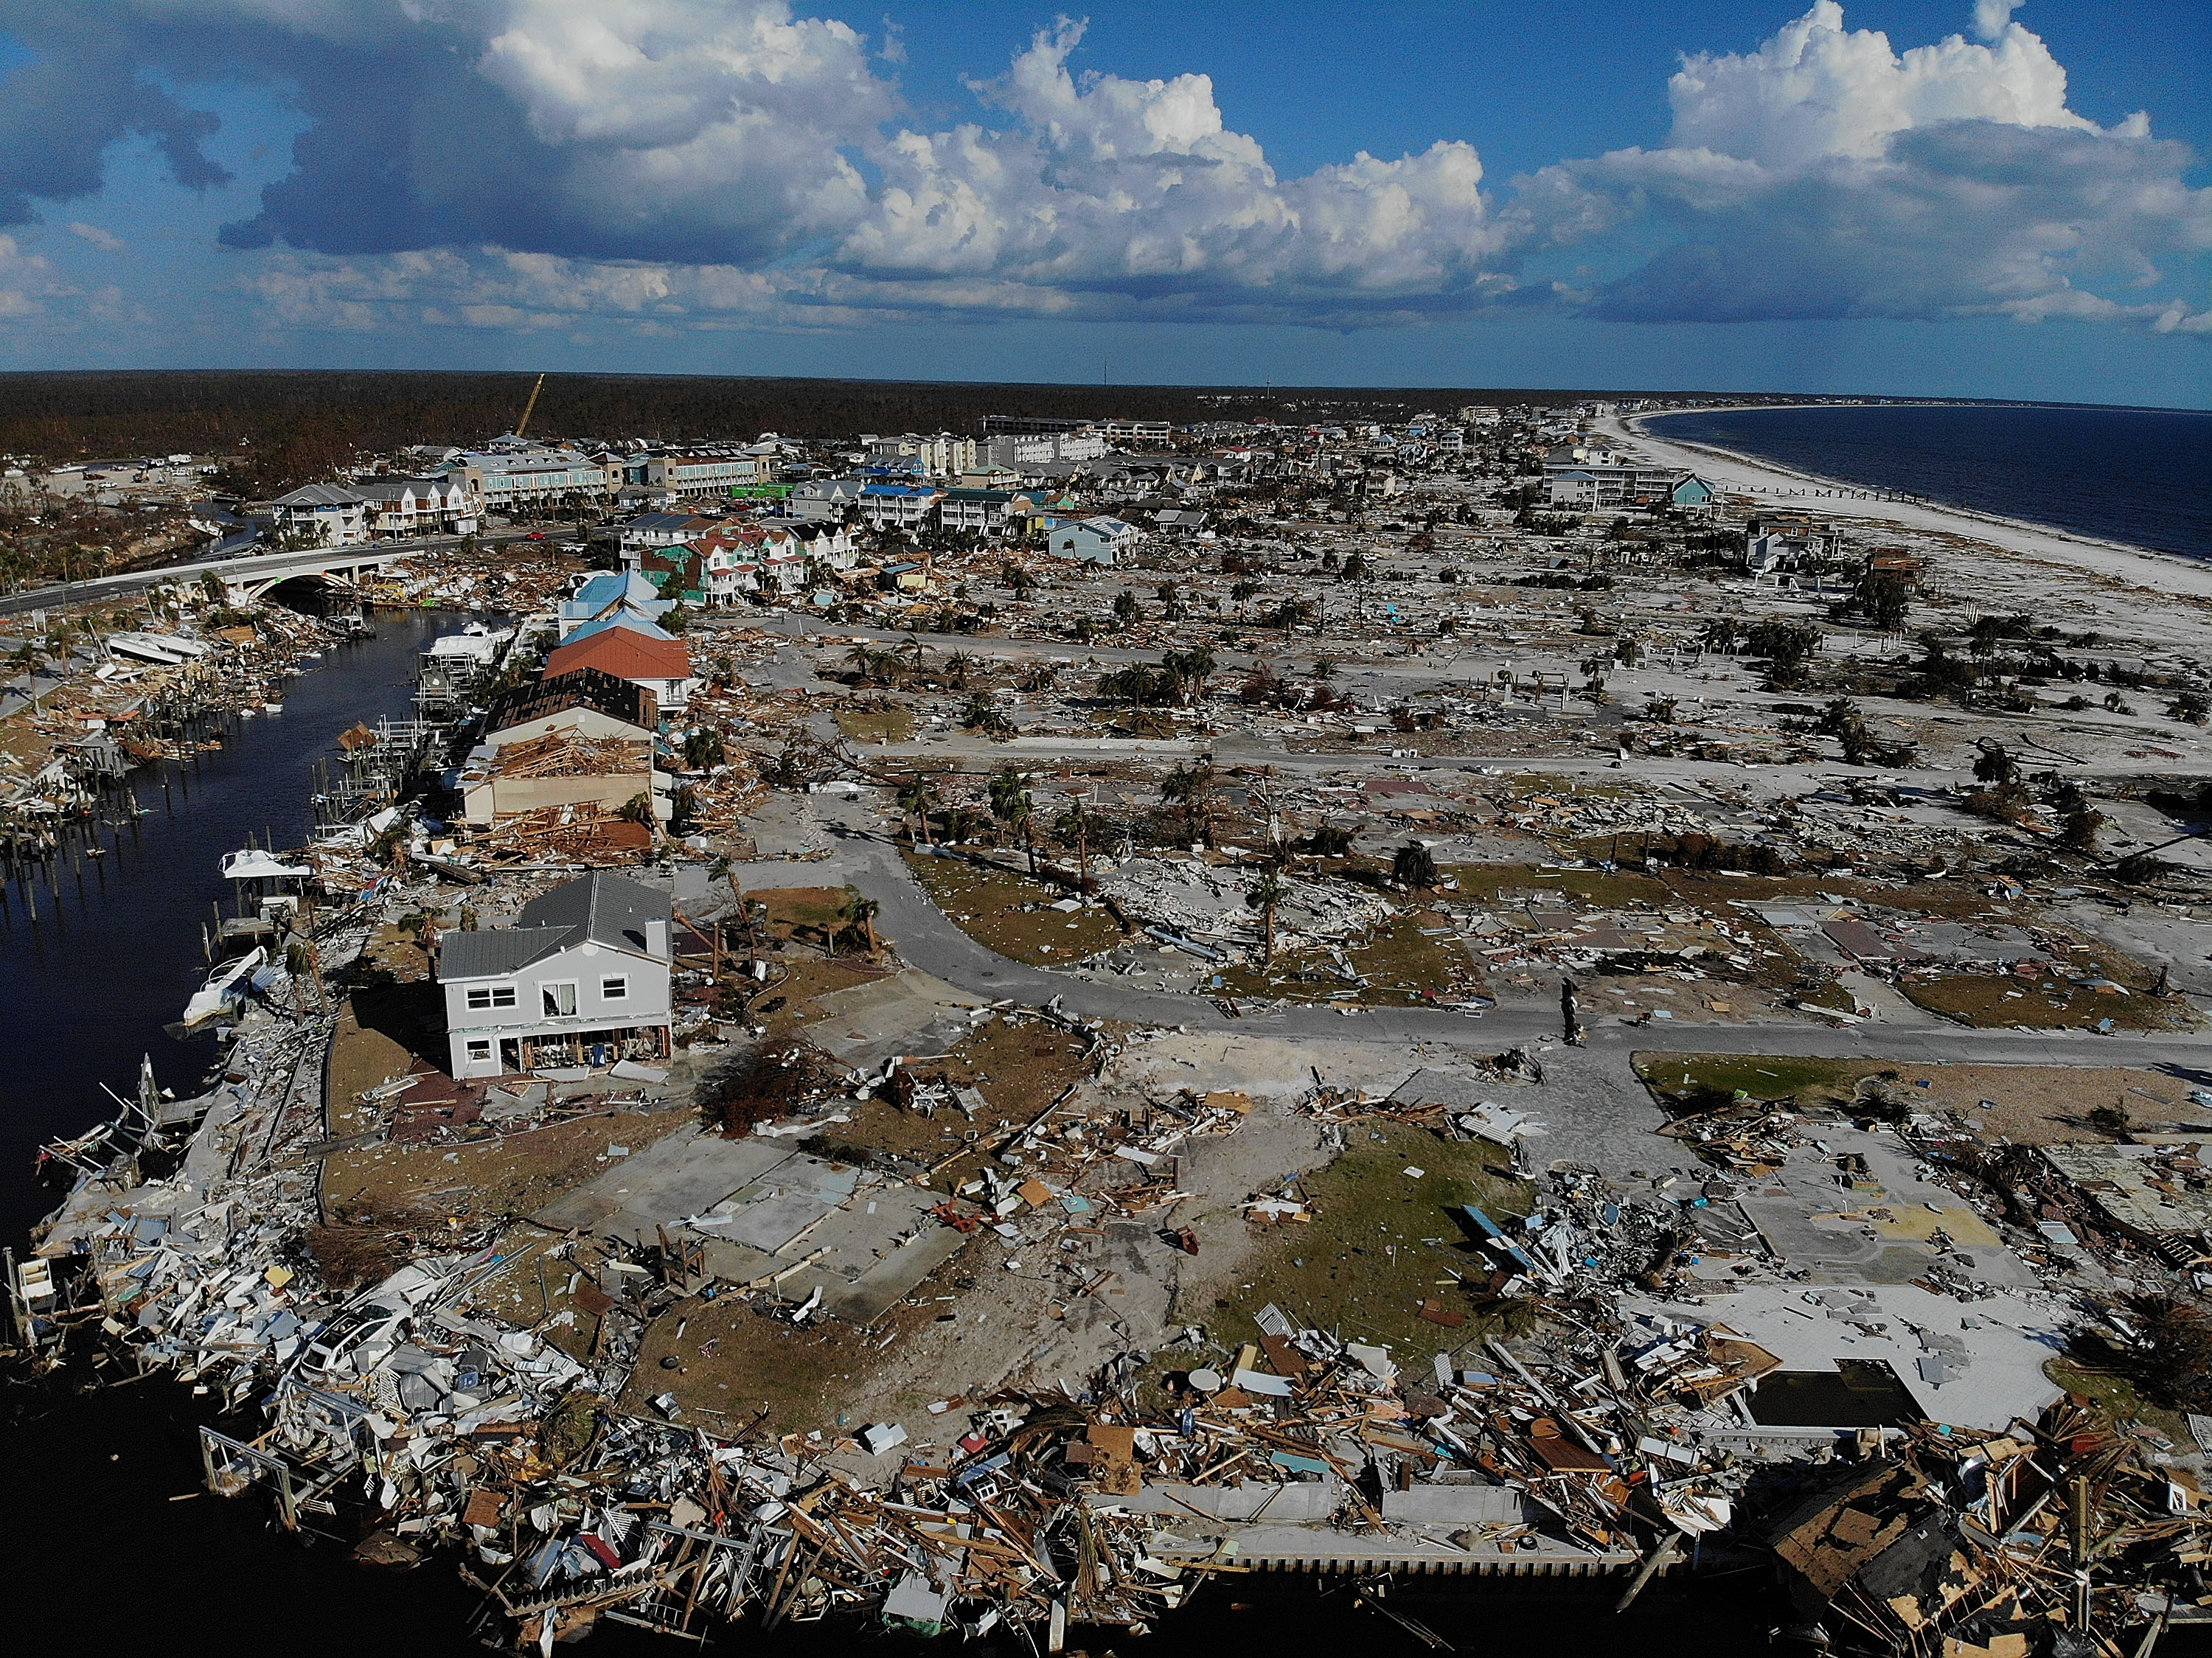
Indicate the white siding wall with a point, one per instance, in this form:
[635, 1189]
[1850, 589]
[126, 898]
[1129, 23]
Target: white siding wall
[646, 1002]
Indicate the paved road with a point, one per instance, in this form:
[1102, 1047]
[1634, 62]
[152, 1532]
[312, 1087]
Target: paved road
[866, 858]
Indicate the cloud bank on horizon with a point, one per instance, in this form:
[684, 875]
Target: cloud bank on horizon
[673, 164]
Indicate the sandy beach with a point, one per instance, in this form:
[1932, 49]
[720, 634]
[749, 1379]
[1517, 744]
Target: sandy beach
[1764, 481]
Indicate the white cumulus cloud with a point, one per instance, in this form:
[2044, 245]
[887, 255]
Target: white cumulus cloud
[1819, 89]
[1827, 175]
[1127, 195]
[662, 164]
[33, 293]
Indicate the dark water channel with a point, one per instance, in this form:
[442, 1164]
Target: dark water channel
[86, 988]
[109, 1544]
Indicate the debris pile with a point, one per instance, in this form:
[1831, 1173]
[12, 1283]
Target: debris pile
[2052, 1536]
[1195, 900]
[583, 833]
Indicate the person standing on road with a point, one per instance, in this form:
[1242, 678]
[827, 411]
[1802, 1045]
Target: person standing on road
[1569, 1015]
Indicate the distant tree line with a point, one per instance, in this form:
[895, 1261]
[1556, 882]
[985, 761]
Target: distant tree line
[301, 425]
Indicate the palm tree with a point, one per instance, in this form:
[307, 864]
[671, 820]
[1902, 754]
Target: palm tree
[914, 801]
[1264, 895]
[702, 748]
[1191, 786]
[1011, 805]
[861, 911]
[1414, 865]
[957, 667]
[982, 714]
[61, 643]
[1074, 824]
[863, 660]
[1190, 670]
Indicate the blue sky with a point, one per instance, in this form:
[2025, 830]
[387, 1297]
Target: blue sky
[1966, 199]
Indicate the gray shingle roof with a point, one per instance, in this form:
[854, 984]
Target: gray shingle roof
[601, 908]
[319, 495]
[489, 952]
[607, 909]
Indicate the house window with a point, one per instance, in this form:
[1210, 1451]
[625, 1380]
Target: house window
[479, 1049]
[481, 997]
[614, 989]
[560, 1001]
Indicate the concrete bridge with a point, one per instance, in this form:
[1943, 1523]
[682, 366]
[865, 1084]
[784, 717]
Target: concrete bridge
[338, 568]
[247, 576]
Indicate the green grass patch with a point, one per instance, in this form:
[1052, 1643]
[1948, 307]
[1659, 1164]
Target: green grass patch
[1365, 1262]
[1834, 994]
[1481, 882]
[1763, 1076]
[1011, 912]
[2116, 1397]
[890, 725]
[1946, 899]
[1993, 1000]
[787, 1002]
[801, 913]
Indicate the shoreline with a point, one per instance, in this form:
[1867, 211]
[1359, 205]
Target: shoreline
[2174, 573]
[1882, 495]
[1881, 492]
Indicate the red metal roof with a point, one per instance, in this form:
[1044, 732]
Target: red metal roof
[625, 654]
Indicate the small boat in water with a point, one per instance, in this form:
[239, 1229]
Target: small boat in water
[255, 864]
[225, 983]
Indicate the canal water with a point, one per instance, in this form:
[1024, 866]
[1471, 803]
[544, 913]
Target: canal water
[108, 1538]
[86, 989]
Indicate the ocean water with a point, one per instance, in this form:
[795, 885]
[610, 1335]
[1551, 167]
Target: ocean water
[2142, 476]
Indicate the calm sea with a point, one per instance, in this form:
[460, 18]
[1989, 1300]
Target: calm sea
[2139, 476]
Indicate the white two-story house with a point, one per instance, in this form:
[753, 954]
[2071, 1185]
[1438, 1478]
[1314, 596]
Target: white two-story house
[580, 979]
[322, 515]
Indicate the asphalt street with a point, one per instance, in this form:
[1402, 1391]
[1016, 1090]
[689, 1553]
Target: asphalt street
[864, 857]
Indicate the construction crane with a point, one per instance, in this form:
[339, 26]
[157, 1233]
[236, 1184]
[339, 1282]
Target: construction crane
[523, 425]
